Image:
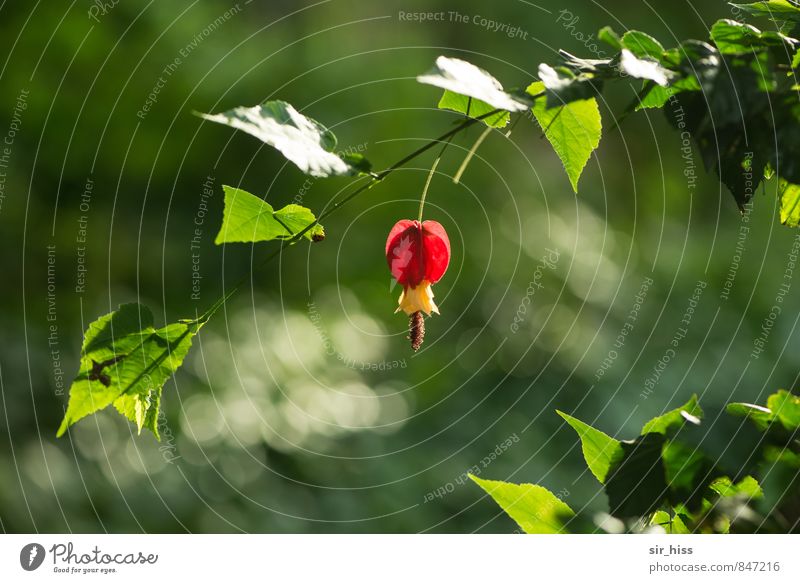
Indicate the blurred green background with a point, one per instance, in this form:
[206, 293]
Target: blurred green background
[301, 408]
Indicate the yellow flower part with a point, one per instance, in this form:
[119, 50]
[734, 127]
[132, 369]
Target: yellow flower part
[418, 299]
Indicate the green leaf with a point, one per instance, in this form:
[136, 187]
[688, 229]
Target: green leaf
[674, 420]
[573, 130]
[357, 162]
[249, 219]
[302, 140]
[732, 37]
[782, 407]
[600, 451]
[785, 408]
[535, 509]
[747, 486]
[637, 486]
[466, 79]
[125, 361]
[642, 45]
[736, 38]
[473, 108]
[564, 86]
[790, 203]
[644, 68]
[610, 37]
[775, 9]
[672, 525]
[761, 416]
[686, 470]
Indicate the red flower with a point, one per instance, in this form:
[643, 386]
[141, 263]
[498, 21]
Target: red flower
[418, 255]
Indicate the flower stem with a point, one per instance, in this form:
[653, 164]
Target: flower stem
[430, 176]
[471, 153]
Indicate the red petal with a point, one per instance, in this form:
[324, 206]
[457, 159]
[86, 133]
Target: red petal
[437, 250]
[417, 252]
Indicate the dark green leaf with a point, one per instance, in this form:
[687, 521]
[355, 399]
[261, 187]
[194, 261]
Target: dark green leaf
[249, 219]
[761, 416]
[357, 162]
[687, 470]
[636, 485]
[125, 361]
[535, 509]
[600, 451]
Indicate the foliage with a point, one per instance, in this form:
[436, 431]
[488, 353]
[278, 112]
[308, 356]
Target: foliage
[125, 361]
[736, 96]
[304, 141]
[534, 508]
[248, 219]
[573, 130]
[666, 478]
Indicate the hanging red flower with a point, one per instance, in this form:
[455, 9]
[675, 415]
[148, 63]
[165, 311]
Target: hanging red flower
[418, 254]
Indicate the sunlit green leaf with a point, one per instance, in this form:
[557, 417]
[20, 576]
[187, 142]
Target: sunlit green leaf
[790, 203]
[304, 141]
[671, 524]
[674, 420]
[573, 130]
[125, 361]
[642, 45]
[785, 408]
[644, 68]
[466, 79]
[534, 508]
[778, 9]
[734, 38]
[249, 219]
[610, 37]
[473, 108]
[747, 486]
[600, 451]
